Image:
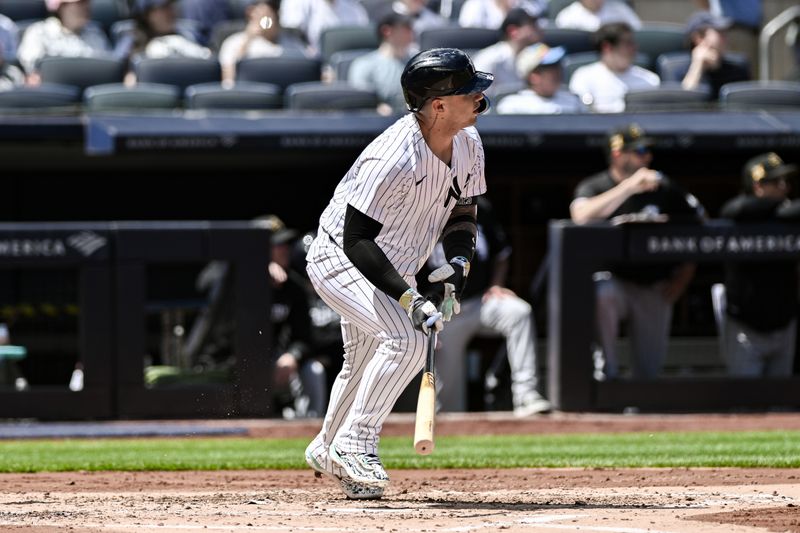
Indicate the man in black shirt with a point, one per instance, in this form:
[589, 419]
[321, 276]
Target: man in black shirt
[760, 321]
[709, 63]
[629, 190]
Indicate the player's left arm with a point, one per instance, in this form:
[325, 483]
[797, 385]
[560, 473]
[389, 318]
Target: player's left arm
[458, 240]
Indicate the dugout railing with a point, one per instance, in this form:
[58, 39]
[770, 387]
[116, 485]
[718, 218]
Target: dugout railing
[577, 252]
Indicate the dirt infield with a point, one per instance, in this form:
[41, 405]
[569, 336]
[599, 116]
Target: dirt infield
[525, 500]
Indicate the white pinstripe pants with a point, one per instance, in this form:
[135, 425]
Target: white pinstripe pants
[382, 350]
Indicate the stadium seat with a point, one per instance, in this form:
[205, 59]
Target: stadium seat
[223, 30]
[106, 12]
[321, 96]
[282, 71]
[760, 95]
[81, 72]
[573, 62]
[340, 38]
[573, 40]
[178, 71]
[119, 97]
[668, 97]
[375, 8]
[340, 62]
[243, 95]
[238, 8]
[656, 39]
[43, 96]
[24, 9]
[455, 37]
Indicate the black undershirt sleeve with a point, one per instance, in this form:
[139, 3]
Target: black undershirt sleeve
[459, 234]
[359, 246]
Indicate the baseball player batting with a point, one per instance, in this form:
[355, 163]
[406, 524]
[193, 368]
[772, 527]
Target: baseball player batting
[411, 187]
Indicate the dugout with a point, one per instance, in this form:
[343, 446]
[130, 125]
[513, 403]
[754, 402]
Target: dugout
[208, 167]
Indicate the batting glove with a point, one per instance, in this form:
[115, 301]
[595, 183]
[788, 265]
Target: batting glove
[454, 275]
[423, 313]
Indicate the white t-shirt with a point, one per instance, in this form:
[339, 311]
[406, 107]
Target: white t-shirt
[313, 16]
[486, 14]
[604, 90]
[175, 46]
[498, 59]
[258, 47]
[50, 38]
[575, 16]
[527, 102]
[399, 182]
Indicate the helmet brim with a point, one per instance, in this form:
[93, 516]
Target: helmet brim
[478, 84]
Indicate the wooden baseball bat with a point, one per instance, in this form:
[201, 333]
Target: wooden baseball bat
[426, 402]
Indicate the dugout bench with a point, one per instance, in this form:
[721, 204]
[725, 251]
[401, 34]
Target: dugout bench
[579, 251]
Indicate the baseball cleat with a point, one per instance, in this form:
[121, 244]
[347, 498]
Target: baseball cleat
[359, 491]
[363, 468]
[352, 489]
[533, 404]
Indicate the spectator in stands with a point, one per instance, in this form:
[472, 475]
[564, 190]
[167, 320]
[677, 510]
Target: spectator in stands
[540, 66]
[423, 18]
[709, 45]
[519, 30]
[262, 37]
[491, 13]
[9, 38]
[746, 18]
[629, 190]
[603, 85]
[10, 75]
[68, 33]
[157, 35]
[487, 307]
[380, 70]
[759, 324]
[312, 17]
[206, 14]
[589, 15]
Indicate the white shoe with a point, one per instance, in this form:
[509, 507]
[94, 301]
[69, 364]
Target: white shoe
[363, 468]
[323, 466]
[531, 405]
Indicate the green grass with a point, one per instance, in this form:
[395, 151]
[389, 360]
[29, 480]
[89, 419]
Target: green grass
[746, 449]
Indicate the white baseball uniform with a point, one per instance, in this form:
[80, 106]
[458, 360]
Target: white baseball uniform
[399, 182]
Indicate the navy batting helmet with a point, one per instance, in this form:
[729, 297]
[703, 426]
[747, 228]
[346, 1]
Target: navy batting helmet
[441, 72]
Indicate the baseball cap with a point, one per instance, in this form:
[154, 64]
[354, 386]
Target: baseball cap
[538, 55]
[53, 5]
[280, 233]
[517, 17]
[767, 166]
[705, 19]
[628, 137]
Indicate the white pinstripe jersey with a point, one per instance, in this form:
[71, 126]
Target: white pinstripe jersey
[399, 182]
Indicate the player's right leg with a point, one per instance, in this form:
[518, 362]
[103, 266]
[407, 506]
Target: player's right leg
[387, 355]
